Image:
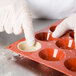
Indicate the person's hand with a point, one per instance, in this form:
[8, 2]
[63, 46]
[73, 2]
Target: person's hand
[15, 17]
[68, 23]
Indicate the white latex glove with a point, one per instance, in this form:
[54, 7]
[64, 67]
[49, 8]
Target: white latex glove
[15, 18]
[68, 23]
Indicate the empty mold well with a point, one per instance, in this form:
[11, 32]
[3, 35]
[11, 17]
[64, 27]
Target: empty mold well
[72, 34]
[51, 54]
[66, 44]
[24, 47]
[44, 36]
[52, 28]
[70, 64]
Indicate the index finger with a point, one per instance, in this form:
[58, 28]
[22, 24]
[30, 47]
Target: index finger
[28, 28]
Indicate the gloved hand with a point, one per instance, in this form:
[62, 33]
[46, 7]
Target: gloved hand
[68, 23]
[15, 17]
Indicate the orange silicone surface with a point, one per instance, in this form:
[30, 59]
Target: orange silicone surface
[59, 54]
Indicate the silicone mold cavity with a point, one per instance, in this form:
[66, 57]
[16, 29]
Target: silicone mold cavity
[52, 28]
[71, 64]
[66, 44]
[44, 36]
[51, 54]
[72, 34]
[24, 47]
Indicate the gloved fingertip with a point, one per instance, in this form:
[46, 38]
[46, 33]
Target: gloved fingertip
[31, 43]
[54, 34]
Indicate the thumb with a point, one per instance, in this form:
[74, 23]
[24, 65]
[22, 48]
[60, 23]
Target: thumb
[60, 30]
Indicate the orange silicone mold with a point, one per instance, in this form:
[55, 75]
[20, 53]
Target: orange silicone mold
[59, 54]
